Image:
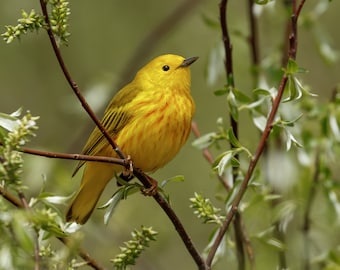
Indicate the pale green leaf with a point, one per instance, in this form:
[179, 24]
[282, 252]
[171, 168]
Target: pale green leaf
[204, 141]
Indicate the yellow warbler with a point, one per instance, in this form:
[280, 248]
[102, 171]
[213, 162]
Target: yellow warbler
[150, 120]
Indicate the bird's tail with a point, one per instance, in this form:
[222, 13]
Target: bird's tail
[96, 176]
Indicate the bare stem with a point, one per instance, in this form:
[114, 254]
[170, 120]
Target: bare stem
[261, 146]
[145, 179]
[123, 162]
[253, 42]
[73, 84]
[238, 228]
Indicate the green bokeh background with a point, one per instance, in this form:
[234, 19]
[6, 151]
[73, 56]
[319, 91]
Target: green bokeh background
[105, 36]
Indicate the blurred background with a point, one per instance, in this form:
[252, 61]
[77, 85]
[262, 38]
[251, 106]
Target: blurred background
[109, 41]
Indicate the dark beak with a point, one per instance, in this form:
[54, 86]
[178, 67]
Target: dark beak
[187, 62]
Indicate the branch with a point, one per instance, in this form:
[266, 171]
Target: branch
[147, 180]
[253, 42]
[72, 83]
[123, 162]
[261, 146]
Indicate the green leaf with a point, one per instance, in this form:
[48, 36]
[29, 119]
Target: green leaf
[174, 179]
[8, 122]
[121, 193]
[292, 67]
[23, 233]
[220, 92]
[291, 140]
[272, 92]
[204, 141]
[232, 104]
[232, 138]
[241, 97]
[334, 126]
[260, 121]
[295, 89]
[226, 159]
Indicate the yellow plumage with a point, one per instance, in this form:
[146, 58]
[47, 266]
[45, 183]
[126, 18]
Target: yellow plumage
[150, 120]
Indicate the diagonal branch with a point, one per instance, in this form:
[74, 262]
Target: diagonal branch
[261, 146]
[73, 84]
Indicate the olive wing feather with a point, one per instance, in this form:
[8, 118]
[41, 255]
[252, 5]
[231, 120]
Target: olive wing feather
[116, 116]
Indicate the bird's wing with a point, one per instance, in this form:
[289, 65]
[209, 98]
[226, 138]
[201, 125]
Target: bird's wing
[116, 116]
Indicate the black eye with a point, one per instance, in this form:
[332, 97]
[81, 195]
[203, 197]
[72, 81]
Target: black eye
[166, 68]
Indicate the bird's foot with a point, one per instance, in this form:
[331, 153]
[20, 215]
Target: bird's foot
[152, 190]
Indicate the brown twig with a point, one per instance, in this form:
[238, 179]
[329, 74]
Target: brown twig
[73, 84]
[269, 124]
[253, 42]
[83, 254]
[123, 162]
[238, 226]
[145, 179]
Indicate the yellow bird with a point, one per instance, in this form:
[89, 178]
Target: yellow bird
[150, 120]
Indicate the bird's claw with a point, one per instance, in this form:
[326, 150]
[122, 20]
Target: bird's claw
[152, 190]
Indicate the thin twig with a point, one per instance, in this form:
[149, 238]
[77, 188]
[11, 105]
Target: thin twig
[238, 228]
[253, 42]
[175, 221]
[83, 254]
[122, 162]
[72, 83]
[269, 124]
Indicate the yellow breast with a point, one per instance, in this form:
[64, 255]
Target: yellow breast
[160, 126]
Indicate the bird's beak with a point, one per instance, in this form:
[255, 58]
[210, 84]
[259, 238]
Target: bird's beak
[187, 62]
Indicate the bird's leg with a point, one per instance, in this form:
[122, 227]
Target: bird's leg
[127, 173]
[150, 185]
[152, 190]
[128, 170]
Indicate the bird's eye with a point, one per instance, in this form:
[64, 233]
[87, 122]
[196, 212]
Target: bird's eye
[166, 68]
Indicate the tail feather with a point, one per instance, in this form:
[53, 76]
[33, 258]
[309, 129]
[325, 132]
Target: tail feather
[96, 176]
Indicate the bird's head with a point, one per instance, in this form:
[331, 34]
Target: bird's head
[167, 71]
